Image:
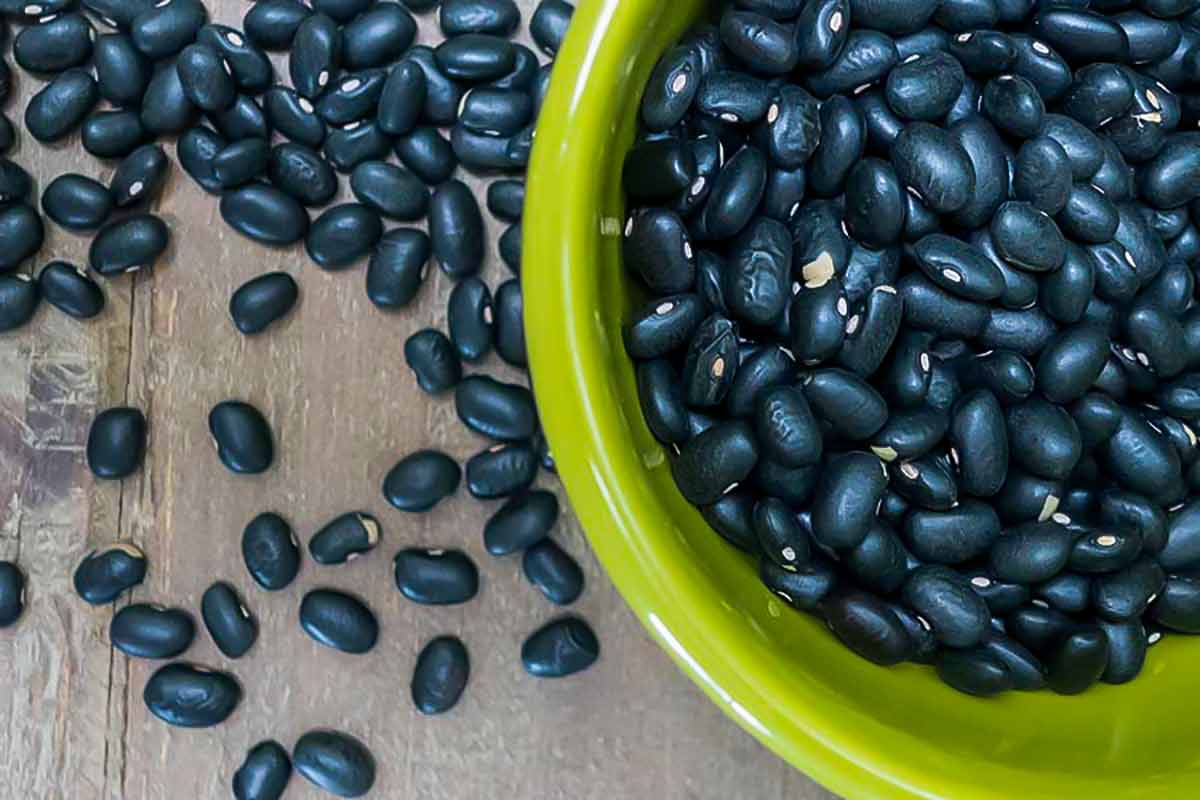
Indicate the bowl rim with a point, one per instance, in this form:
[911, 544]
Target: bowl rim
[561, 336]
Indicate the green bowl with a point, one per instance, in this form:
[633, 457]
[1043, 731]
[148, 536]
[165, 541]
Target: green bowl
[862, 730]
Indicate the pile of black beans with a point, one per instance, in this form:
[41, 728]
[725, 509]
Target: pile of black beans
[921, 324]
[359, 91]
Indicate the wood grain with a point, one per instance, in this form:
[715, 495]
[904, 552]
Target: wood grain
[332, 381]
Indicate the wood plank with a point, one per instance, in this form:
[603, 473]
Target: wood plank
[55, 734]
[344, 408]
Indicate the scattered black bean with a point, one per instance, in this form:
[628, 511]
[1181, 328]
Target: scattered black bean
[552, 570]
[271, 552]
[339, 620]
[440, 675]
[342, 234]
[433, 360]
[104, 574]
[229, 624]
[562, 647]
[397, 267]
[129, 244]
[265, 214]
[116, 443]
[71, 290]
[421, 480]
[336, 762]
[241, 436]
[521, 522]
[344, 538]
[264, 772]
[22, 232]
[61, 106]
[12, 593]
[188, 696]
[436, 577]
[77, 202]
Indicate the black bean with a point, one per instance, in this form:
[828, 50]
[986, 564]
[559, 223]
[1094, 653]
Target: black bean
[249, 65]
[139, 176]
[188, 696]
[510, 328]
[1026, 672]
[104, 574]
[764, 369]
[946, 601]
[1098, 93]
[656, 247]
[1078, 661]
[983, 53]
[273, 24]
[951, 536]
[71, 290]
[378, 36]
[1089, 216]
[353, 97]
[1065, 293]
[261, 301]
[501, 470]
[958, 267]
[116, 442]
[843, 138]
[1043, 439]
[54, 44]
[243, 119]
[229, 624]
[866, 58]
[1068, 592]
[1169, 180]
[562, 647]
[390, 190]
[1125, 594]
[909, 433]
[336, 762]
[301, 173]
[1126, 650]
[1102, 551]
[61, 105]
[505, 199]
[927, 42]
[712, 462]
[924, 88]
[436, 577]
[293, 116]
[433, 359]
[1081, 36]
[816, 318]
[264, 214]
[928, 307]
[145, 630]
[849, 492]
[397, 267]
[352, 144]
[122, 72]
[342, 234]
[732, 517]
[501, 411]
[1013, 104]
[440, 676]
[166, 28]
[1042, 174]
[934, 166]
[1031, 553]
[781, 536]
[129, 244]
[1182, 548]
[205, 79]
[1001, 596]
[112, 134]
[671, 88]
[456, 230]
[344, 538]
[1138, 458]
[264, 772]
[271, 552]
[475, 57]
[1178, 607]
[875, 206]
[196, 149]
[77, 202]
[442, 95]
[975, 672]
[711, 361]
[851, 405]
[242, 437]
[338, 620]
[469, 318]
[420, 480]
[867, 626]
[786, 427]
[315, 53]
[22, 232]
[1039, 628]
[979, 434]
[658, 170]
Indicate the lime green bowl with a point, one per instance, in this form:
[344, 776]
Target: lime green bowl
[863, 731]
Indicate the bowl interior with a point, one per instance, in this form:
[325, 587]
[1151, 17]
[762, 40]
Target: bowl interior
[862, 730]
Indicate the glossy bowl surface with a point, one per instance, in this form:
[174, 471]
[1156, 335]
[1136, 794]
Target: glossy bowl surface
[862, 730]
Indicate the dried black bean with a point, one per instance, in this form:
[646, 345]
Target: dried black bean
[241, 436]
[1012, 103]
[1078, 662]
[655, 246]
[336, 762]
[975, 672]
[951, 536]
[265, 214]
[1031, 553]
[866, 58]
[122, 72]
[352, 144]
[166, 28]
[205, 78]
[112, 134]
[344, 538]
[145, 630]
[844, 507]
[420, 480]
[562, 647]
[843, 138]
[510, 326]
[104, 574]
[196, 149]
[261, 301]
[339, 620]
[264, 772]
[867, 626]
[946, 601]
[1125, 594]
[61, 105]
[116, 442]
[342, 234]
[293, 116]
[456, 230]
[139, 176]
[925, 87]
[397, 267]
[501, 470]
[273, 24]
[77, 202]
[71, 290]
[436, 577]
[229, 624]
[301, 173]
[188, 696]
[440, 676]
[1126, 650]
[56, 43]
[315, 53]
[271, 552]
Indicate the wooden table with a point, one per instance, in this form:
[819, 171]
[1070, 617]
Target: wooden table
[343, 406]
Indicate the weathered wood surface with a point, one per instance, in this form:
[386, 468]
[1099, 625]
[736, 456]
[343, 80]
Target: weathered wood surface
[332, 381]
